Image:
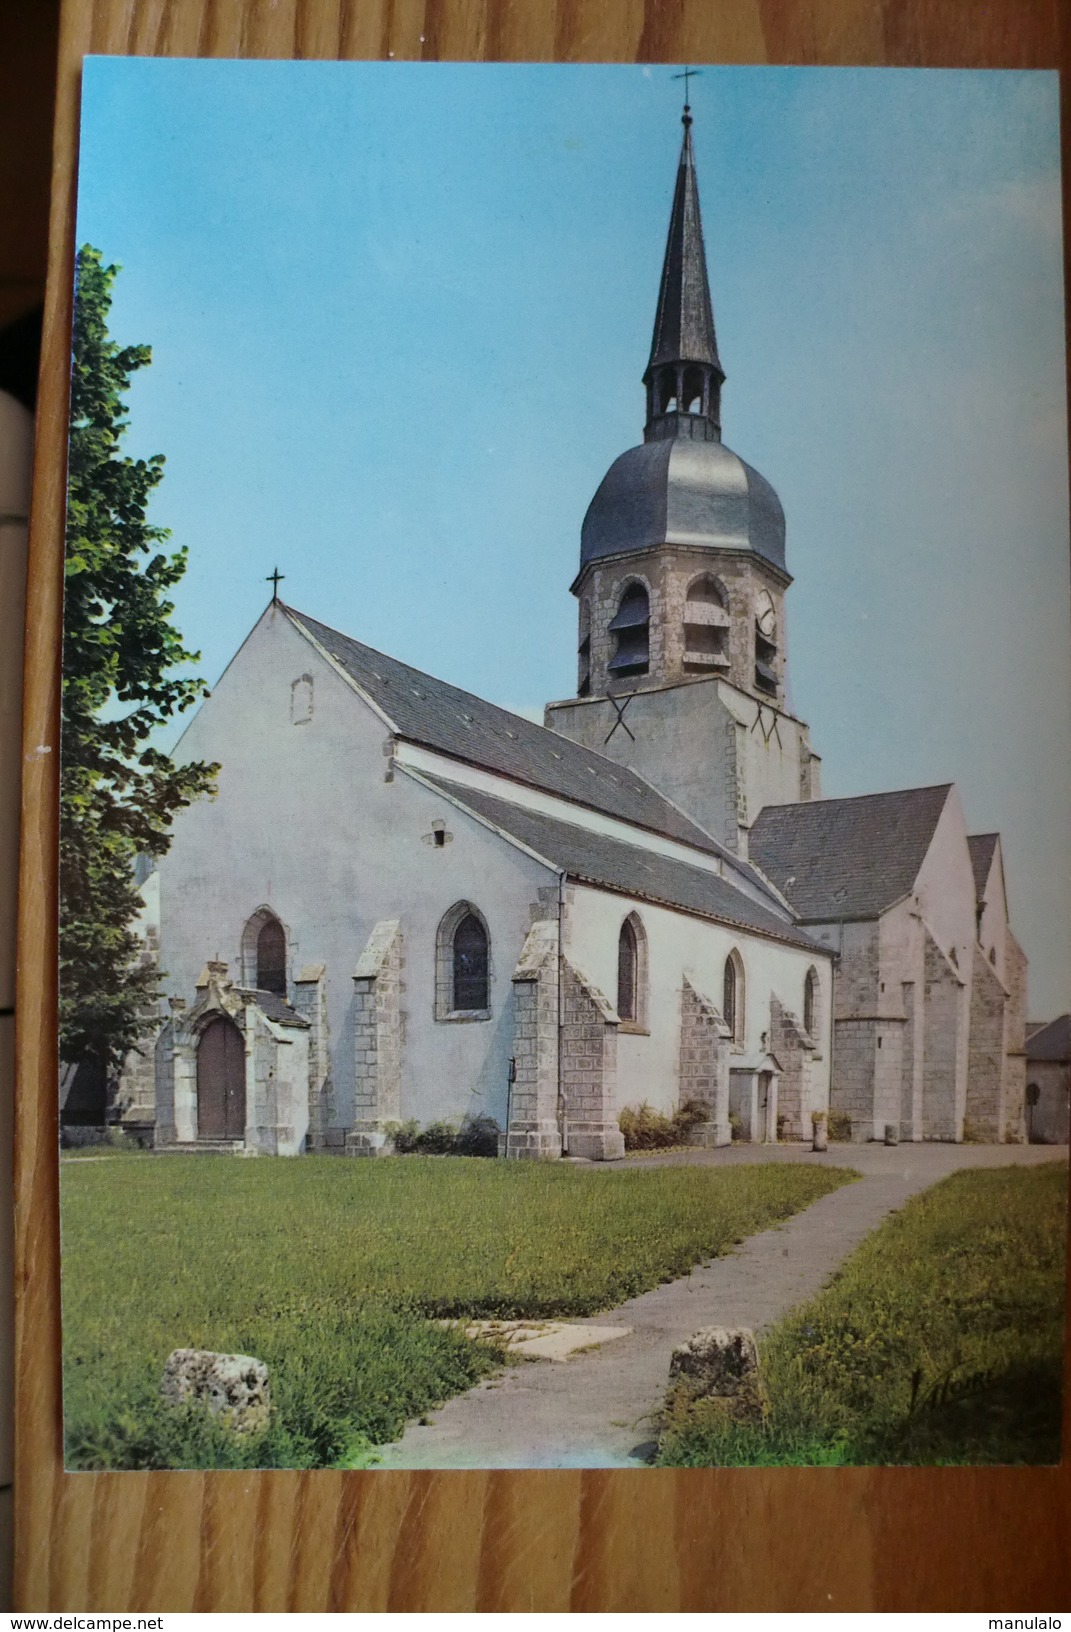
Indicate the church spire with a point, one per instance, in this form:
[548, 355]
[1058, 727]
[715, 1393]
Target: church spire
[684, 375]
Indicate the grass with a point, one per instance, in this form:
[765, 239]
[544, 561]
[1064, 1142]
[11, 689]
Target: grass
[332, 1271]
[939, 1341]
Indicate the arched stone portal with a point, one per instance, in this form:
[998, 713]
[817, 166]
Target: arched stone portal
[221, 1081]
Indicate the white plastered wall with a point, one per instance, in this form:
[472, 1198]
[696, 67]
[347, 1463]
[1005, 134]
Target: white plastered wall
[679, 945]
[307, 823]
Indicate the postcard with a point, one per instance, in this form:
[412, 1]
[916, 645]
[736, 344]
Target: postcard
[564, 910]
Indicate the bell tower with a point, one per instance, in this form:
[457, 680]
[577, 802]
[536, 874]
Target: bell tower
[681, 669]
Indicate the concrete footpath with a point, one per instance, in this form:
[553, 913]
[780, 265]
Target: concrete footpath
[595, 1409]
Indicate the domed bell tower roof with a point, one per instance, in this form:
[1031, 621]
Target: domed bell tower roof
[682, 485]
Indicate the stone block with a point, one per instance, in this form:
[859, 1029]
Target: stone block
[232, 1387]
[599, 1142]
[716, 1361]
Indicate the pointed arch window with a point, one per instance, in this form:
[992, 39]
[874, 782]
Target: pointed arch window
[732, 1006]
[706, 624]
[631, 629]
[264, 953]
[811, 1009]
[632, 974]
[463, 965]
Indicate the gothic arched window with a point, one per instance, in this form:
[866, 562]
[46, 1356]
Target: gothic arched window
[732, 1005]
[630, 627]
[271, 957]
[264, 953]
[706, 624]
[463, 965]
[811, 992]
[632, 972]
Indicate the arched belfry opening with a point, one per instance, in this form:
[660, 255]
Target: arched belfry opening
[706, 625]
[631, 628]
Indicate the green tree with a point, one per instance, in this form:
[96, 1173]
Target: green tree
[125, 672]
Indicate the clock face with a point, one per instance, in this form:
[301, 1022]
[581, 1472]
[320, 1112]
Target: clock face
[765, 616]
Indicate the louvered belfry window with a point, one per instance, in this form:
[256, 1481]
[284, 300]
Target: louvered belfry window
[271, 958]
[631, 630]
[470, 964]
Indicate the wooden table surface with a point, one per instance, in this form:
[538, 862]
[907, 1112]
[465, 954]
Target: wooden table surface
[816, 1539]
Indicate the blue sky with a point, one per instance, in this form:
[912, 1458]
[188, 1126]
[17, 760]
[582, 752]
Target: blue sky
[399, 313]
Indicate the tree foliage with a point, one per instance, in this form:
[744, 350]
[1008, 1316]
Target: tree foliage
[125, 672]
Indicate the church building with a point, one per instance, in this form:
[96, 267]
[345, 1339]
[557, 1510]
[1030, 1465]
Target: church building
[644, 899]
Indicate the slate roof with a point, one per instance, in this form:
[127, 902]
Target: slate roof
[981, 847]
[684, 320]
[847, 858]
[440, 716]
[1052, 1042]
[595, 859]
[275, 1007]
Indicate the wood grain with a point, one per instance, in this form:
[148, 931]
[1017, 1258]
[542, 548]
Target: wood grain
[644, 1540]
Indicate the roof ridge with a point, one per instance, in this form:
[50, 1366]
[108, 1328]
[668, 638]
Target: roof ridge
[856, 798]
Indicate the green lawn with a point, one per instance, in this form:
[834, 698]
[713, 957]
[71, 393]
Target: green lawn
[331, 1270]
[939, 1341]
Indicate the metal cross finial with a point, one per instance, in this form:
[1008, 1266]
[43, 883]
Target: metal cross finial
[689, 73]
[275, 579]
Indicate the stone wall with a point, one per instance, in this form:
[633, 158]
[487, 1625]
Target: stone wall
[910, 1068]
[1047, 1118]
[165, 1131]
[855, 989]
[942, 1042]
[589, 1069]
[377, 1040]
[1015, 974]
[984, 1111]
[134, 1105]
[310, 1001]
[667, 573]
[792, 1049]
[852, 1088]
[534, 1130]
[704, 1065]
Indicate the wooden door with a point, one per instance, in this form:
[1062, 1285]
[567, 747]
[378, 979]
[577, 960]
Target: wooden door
[221, 1081]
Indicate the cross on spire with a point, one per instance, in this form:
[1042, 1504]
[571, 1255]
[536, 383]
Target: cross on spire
[275, 578]
[689, 73]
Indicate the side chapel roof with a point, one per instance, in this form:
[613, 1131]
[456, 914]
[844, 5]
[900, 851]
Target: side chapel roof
[436, 715]
[1052, 1041]
[847, 858]
[594, 858]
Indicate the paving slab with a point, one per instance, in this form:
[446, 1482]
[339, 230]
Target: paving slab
[597, 1408]
[539, 1339]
